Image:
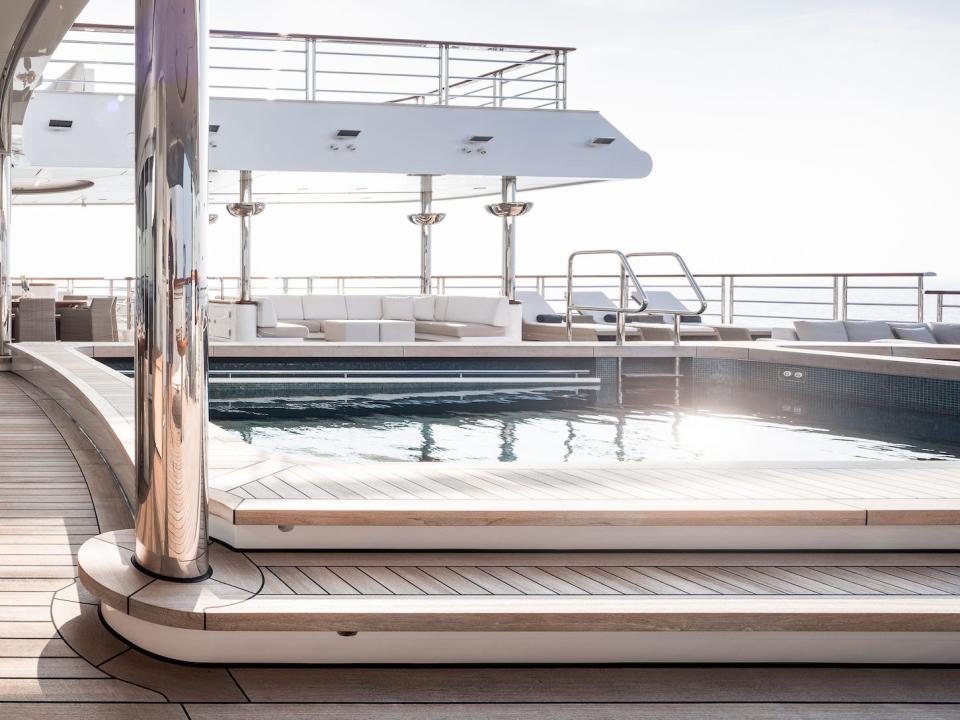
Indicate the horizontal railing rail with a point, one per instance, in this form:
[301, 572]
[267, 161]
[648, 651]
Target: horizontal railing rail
[761, 299]
[100, 58]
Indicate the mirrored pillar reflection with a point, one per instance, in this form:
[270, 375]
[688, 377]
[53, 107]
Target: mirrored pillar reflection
[508, 441]
[6, 205]
[171, 293]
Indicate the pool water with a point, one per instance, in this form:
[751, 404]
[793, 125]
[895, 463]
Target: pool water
[550, 426]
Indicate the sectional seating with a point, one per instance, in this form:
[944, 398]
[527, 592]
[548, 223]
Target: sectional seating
[383, 318]
[870, 331]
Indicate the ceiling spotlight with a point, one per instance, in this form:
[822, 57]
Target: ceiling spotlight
[214, 128]
[480, 138]
[212, 218]
[602, 141]
[348, 133]
[60, 124]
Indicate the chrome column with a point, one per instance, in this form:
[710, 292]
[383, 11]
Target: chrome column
[171, 307]
[6, 205]
[509, 210]
[509, 274]
[426, 219]
[245, 210]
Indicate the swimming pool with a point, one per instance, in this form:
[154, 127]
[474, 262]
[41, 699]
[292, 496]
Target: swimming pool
[587, 425]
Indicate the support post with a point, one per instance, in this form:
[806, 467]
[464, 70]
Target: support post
[426, 236]
[170, 332]
[509, 273]
[245, 209]
[246, 231]
[509, 210]
[426, 219]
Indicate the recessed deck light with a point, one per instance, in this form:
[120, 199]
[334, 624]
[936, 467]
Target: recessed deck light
[603, 141]
[348, 133]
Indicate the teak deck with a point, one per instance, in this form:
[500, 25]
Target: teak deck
[57, 660]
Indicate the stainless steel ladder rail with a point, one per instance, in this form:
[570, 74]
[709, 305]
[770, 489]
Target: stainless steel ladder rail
[621, 311]
[627, 272]
[691, 281]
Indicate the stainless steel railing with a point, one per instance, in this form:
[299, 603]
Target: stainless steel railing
[99, 58]
[627, 273]
[623, 303]
[943, 306]
[761, 299]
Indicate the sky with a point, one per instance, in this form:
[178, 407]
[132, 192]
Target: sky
[786, 136]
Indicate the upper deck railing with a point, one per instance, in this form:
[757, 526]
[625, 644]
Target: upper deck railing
[100, 58]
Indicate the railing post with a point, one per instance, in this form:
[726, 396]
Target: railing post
[310, 68]
[310, 286]
[940, 307]
[723, 300]
[844, 297]
[732, 300]
[443, 90]
[920, 298]
[836, 297]
[286, 286]
[557, 101]
[563, 104]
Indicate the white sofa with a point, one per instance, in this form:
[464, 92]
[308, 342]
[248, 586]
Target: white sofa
[870, 331]
[384, 318]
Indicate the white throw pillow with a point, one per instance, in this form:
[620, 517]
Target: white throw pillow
[424, 307]
[915, 334]
[867, 330]
[821, 330]
[397, 307]
[946, 333]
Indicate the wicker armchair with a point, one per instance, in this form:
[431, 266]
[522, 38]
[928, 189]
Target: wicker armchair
[36, 320]
[95, 323]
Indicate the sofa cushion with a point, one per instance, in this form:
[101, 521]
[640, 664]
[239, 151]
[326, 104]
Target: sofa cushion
[821, 330]
[283, 330]
[867, 330]
[363, 307]
[352, 330]
[288, 307]
[915, 334]
[440, 308]
[324, 307]
[266, 313]
[477, 310]
[458, 329]
[397, 307]
[946, 333]
[424, 307]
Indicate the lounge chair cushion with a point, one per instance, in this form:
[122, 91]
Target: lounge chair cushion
[458, 329]
[821, 330]
[324, 307]
[398, 308]
[915, 334]
[424, 307]
[363, 307]
[352, 331]
[532, 304]
[283, 330]
[266, 313]
[288, 307]
[946, 333]
[867, 330]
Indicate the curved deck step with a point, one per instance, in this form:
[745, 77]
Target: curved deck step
[530, 607]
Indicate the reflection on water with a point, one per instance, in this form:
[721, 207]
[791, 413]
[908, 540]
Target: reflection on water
[563, 426]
